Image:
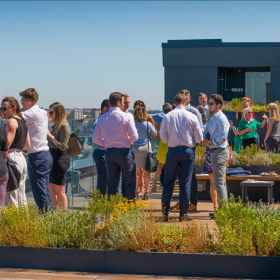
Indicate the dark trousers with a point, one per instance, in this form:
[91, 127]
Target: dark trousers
[178, 157]
[249, 142]
[194, 194]
[99, 158]
[39, 167]
[121, 160]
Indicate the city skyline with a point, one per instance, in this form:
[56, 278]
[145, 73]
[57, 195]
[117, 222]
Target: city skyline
[79, 52]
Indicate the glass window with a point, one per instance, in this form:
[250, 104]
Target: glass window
[257, 85]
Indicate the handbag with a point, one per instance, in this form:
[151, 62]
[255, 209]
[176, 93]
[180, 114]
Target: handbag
[14, 176]
[75, 146]
[151, 160]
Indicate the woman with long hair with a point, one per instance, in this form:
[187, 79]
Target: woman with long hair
[237, 137]
[247, 127]
[272, 137]
[141, 148]
[58, 139]
[17, 141]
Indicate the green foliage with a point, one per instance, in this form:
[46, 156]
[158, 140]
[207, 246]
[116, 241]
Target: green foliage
[253, 156]
[247, 229]
[199, 155]
[236, 102]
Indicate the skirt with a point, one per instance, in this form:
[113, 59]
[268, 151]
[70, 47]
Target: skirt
[61, 163]
[140, 154]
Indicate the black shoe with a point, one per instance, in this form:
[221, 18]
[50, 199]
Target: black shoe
[165, 218]
[212, 216]
[185, 218]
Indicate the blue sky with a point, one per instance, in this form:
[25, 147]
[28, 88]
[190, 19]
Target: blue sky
[79, 52]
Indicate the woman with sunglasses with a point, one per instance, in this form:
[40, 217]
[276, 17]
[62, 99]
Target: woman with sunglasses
[58, 139]
[17, 141]
[247, 127]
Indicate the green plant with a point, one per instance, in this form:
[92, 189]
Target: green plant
[199, 155]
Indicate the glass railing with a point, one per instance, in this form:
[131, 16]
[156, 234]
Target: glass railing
[81, 177]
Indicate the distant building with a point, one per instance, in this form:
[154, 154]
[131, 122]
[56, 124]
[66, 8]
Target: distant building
[230, 69]
[76, 114]
[95, 112]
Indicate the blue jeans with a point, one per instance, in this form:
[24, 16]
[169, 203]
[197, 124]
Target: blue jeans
[99, 158]
[182, 157]
[121, 160]
[39, 167]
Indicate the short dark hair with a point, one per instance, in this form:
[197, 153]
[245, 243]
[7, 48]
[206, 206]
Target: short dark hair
[166, 108]
[30, 93]
[105, 103]
[115, 97]
[217, 98]
[202, 94]
[180, 98]
[184, 91]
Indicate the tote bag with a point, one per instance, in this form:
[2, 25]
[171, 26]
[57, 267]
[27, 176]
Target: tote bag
[14, 176]
[75, 146]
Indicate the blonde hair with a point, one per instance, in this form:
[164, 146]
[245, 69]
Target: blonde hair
[60, 115]
[274, 112]
[245, 111]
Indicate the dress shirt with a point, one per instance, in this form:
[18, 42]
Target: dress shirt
[195, 112]
[37, 124]
[117, 129]
[217, 127]
[178, 128]
[158, 117]
[97, 147]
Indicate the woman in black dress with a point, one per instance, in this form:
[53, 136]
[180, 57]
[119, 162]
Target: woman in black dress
[3, 167]
[58, 139]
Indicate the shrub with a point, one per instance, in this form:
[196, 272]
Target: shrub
[199, 155]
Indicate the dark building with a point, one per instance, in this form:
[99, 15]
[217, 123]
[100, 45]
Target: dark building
[230, 69]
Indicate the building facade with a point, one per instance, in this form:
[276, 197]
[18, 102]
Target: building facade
[230, 69]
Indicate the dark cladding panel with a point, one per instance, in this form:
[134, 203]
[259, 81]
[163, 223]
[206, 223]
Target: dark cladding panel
[195, 79]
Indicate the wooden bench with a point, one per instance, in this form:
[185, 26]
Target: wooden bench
[203, 177]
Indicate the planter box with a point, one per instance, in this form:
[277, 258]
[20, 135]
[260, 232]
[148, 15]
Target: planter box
[176, 264]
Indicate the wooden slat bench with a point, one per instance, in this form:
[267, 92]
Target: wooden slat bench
[203, 177]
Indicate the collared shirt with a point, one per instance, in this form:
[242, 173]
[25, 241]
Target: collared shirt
[194, 111]
[37, 124]
[217, 127]
[117, 129]
[97, 147]
[178, 128]
[158, 118]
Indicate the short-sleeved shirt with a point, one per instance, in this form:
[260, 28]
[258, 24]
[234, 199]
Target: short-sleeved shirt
[3, 147]
[244, 125]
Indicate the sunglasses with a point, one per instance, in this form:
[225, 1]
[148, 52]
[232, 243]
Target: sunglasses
[249, 112]
[50, 113]
[212, 103]
[5, 108]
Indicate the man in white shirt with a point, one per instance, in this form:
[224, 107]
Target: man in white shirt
[39, 157]
[177, 130]
[203, 100]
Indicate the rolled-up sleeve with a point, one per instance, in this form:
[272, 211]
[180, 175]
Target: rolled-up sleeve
[96, 136]
[197, 131]
[132, 131]
[223, 127]
[163, 131]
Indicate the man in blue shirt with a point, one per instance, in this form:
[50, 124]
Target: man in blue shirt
[218, 127]
[99, 154]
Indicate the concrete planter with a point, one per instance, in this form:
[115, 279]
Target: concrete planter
[176, 264]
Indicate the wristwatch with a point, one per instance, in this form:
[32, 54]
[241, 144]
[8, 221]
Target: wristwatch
[209, 142]
[52, 137]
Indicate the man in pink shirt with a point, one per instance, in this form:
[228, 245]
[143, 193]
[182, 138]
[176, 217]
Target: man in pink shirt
[119, 132]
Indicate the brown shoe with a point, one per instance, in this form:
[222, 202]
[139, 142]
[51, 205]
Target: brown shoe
[192, 208]
[175, 207]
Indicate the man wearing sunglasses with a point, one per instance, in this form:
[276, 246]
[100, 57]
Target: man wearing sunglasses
[39, 157]
[218, 127]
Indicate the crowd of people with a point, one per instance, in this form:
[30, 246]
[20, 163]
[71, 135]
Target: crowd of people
[122, 143]
[48, 159]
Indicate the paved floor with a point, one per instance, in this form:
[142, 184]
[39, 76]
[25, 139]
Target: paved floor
[24, 274]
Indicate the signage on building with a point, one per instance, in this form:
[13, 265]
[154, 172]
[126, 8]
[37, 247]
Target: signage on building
[237, 89]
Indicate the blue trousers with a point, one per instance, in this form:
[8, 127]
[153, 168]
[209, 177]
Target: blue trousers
[99, 158]
[39, 167]
[182, 157]
[121, 160]
[194, 194]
